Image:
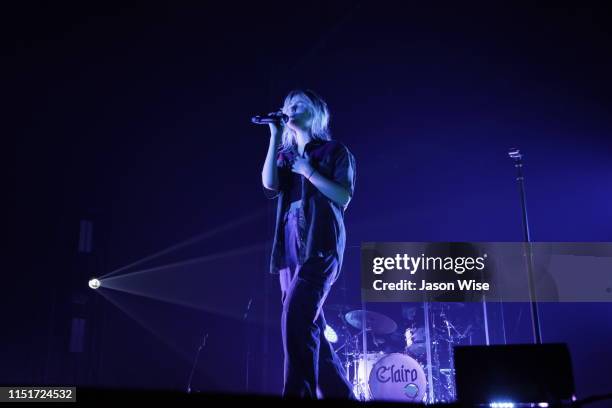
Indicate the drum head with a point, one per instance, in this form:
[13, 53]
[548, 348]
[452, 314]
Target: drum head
[397, 377]
[365, 364]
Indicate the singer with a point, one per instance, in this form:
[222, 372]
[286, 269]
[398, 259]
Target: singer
[313, 179]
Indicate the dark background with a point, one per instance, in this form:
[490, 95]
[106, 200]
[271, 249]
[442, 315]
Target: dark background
[136, 117]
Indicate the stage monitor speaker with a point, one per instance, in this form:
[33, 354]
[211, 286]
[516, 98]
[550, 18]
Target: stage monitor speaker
[524, 373]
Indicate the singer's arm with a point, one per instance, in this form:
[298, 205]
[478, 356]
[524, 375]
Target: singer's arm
[269, 173]
[339, 188]
[334, 191]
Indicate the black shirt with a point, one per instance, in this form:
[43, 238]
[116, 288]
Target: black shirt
[294, 186]
[324, 232]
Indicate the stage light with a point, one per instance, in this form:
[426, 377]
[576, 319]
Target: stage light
[544, 375]
[502, 405]
[94, 283]
[543, 404]
[330, 334]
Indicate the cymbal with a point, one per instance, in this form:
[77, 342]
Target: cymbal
[378, 323]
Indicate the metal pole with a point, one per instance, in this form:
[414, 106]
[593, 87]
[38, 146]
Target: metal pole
[195, 362]
[247, 339]
[365, 392]
[517, 157]
[430, 388]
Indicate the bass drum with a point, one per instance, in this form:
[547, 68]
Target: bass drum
[397, 377]
[364, 367]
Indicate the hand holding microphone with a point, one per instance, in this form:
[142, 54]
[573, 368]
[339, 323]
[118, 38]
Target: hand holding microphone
[272, 117]
[275, 120]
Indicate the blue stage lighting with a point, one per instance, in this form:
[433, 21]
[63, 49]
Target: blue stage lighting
[502, 405]
[330, 334]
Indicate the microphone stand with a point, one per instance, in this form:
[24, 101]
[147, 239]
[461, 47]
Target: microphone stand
[195, 362]
[248, 344]
[517, 157]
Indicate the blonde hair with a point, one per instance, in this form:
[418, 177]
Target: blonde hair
[320, 118]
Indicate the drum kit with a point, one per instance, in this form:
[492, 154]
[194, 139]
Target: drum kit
[387, 361]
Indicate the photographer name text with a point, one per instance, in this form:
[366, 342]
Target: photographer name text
[406, 285]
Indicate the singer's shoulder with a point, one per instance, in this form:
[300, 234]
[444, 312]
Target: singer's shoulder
[338, 148]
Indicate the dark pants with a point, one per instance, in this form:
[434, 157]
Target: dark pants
[310, 360]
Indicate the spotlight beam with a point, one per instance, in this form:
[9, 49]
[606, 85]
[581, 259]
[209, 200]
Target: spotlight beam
[183, 297]
[206, 258]
[189, 241]
[176, 301]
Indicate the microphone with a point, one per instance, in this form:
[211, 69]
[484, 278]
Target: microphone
[274, 117]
